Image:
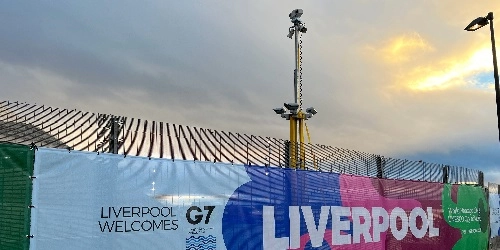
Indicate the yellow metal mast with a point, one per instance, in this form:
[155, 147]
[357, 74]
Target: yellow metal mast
[293, 111]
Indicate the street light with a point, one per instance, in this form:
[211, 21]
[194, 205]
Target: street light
[477, 24]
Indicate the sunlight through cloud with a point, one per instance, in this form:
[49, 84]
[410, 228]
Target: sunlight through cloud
[460, 74]
[400, 49]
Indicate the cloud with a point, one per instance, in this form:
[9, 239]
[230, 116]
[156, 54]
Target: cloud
[452, 73]
[478, 157]
[402, 48]
[389, 78]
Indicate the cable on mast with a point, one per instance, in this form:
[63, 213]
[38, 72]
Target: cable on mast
[293, 111]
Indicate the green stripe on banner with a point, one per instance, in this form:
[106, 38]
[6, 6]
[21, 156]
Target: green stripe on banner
[16, 165]
[466, 208]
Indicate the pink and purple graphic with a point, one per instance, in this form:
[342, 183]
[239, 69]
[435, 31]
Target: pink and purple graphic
[294, 209]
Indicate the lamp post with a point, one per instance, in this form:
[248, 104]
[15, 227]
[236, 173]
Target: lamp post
[293, 111]
[477, 24]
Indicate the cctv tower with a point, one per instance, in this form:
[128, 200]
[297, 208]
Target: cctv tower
[293, 111]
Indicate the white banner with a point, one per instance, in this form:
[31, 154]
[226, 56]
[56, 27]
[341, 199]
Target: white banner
[88, 201]
[494, 200]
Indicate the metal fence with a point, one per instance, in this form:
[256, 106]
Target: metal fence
[16, 168]
[40, 125]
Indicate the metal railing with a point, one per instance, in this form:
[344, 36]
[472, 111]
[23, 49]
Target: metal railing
[40, 125]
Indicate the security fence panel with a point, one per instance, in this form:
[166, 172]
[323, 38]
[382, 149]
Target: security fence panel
[88, 200]
[44, 126]
[288, 209]
[494, 201]
[16, 168]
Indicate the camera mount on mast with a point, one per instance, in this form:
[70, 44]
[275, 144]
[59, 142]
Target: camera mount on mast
[293, 111]
[298, 25]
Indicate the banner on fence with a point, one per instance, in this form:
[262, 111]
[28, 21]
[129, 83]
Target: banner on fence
[88, 201]
[494, 200]
[16, 166]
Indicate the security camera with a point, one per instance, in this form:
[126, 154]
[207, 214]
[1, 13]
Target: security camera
[296, 13]
[302, 29]
[291, 106]
[279, 111]
[291, 31]
[286, 116]
[311, 110]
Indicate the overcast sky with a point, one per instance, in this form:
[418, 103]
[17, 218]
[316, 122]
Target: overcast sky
[396, 78]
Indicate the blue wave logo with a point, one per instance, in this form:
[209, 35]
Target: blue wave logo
[201, 243]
